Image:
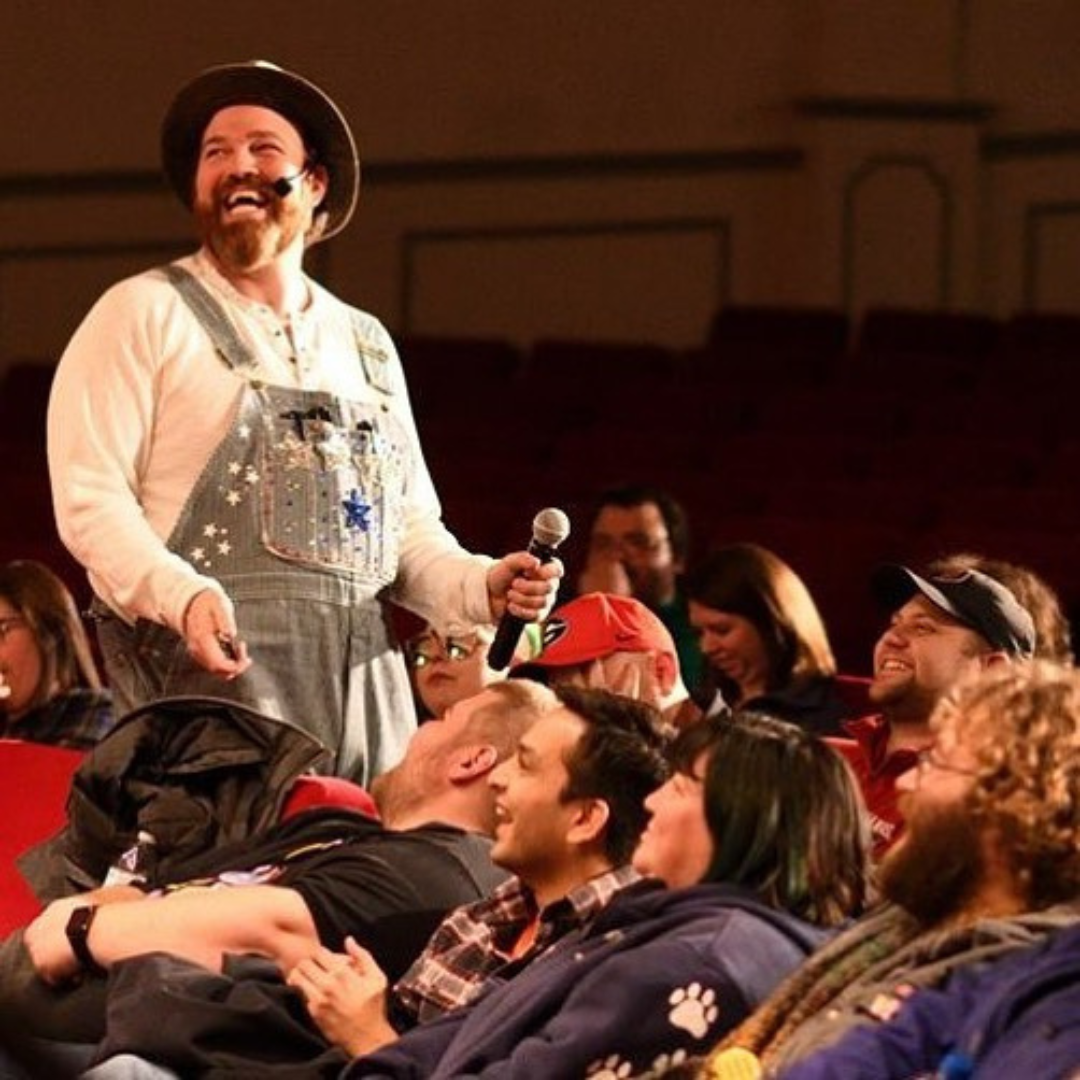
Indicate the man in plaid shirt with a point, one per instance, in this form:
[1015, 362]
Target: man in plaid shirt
[569, 813]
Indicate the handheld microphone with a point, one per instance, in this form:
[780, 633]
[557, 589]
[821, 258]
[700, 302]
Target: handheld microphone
[550, 528]
[282, 187]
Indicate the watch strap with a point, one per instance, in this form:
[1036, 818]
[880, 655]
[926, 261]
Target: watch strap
[78, 935]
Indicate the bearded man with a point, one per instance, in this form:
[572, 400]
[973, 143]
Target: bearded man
[232, 452]
[989, 863]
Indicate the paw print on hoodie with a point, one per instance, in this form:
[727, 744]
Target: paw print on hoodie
[611, 1068]
[693, 1009]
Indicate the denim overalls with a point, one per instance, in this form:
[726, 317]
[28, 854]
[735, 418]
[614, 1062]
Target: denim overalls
[298, 514]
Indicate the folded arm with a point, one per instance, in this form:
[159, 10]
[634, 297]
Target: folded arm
[198, 924]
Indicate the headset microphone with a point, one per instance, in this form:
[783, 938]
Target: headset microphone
[282, 187]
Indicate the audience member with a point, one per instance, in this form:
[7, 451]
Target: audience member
[613, 643]
[989, 864]
[1016, 1018]
[763, 639]
[450, 666]
[570, 809]
[639, 541]
[941, 631]
[756, 844]
[233, 455]
[317, 878]
[50, 691]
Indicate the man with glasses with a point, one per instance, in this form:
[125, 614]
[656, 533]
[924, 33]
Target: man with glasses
[638, 545]
[989, 864]
[943, 629]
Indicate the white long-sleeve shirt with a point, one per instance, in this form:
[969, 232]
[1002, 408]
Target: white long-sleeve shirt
[141, 400]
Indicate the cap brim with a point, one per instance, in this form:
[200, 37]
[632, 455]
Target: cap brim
[302, 103]
[893, 586]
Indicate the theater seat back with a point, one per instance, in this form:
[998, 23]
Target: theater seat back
[34, 784]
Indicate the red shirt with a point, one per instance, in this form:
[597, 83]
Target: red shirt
[876, 769]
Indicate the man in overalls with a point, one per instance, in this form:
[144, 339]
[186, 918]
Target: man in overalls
[233, 455]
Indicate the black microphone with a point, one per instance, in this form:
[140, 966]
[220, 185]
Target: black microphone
[550, 528]
[282, 187]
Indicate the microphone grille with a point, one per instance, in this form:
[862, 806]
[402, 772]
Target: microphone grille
[551, 527]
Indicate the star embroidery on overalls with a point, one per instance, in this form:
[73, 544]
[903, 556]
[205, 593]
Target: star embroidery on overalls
[198, 554]
[233, 497]
[210, 530]
[235, 468]
[357, 511]
[224, 548]
[250, 475]
[244, 431]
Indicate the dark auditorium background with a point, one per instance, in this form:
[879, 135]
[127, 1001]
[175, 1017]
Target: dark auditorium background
[810, 264]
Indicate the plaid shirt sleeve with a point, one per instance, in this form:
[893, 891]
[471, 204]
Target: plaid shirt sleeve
[470, 944]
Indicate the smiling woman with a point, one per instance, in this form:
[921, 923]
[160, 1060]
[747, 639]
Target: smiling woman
[50, 691]
[763, 639]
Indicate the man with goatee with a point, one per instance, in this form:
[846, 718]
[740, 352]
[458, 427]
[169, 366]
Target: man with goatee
[989, 864]
[233, 455]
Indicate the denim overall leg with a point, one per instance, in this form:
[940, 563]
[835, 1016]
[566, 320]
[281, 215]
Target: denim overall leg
[298, 516]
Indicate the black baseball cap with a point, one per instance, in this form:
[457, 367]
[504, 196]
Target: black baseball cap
[972, 597]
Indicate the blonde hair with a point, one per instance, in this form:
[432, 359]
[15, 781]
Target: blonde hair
[1021, 724]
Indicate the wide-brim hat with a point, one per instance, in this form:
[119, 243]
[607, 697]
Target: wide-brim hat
[259, 82]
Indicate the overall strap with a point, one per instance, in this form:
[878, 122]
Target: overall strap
[375, 360]
[211, 316]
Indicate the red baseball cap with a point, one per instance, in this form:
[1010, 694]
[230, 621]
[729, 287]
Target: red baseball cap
[596, 625]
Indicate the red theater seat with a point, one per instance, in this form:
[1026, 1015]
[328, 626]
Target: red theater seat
[34, 783]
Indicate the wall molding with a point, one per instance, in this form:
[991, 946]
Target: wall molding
[861, 175]
[413, 242]
[1037, 219]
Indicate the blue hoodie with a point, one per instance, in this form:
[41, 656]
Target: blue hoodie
[1017, 1019]
[660, 972]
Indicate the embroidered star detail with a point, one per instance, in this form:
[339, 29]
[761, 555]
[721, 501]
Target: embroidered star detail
[198, 554]
[210, 530]
[224, 547]
[234, 498]
[235, 468]
[244, 431]
[357, 511]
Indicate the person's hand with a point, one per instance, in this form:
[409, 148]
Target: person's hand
[524, 586]
[605, 575]
[346, 996]
[47, 944]
[210, 634]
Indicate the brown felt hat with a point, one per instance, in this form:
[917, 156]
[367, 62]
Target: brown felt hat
[259, 82]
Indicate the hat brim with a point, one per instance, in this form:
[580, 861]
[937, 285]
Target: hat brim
[319, 121]
[893, 586]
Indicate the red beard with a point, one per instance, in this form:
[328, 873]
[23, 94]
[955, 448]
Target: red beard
[249, 242]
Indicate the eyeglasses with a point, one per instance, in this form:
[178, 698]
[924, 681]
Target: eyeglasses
[453, 649]
[11, 622]
[928, 759]
[638, 542]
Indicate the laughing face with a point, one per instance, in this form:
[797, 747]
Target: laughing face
[21, 664]
[533, 821]
[922, 654]
[677, 846]
[245, 149]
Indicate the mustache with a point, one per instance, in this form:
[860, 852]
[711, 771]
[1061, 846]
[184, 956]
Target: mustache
[252, 185]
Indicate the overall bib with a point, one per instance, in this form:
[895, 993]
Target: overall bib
[298, 514]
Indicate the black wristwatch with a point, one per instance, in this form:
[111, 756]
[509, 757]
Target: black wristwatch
[78, 933]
